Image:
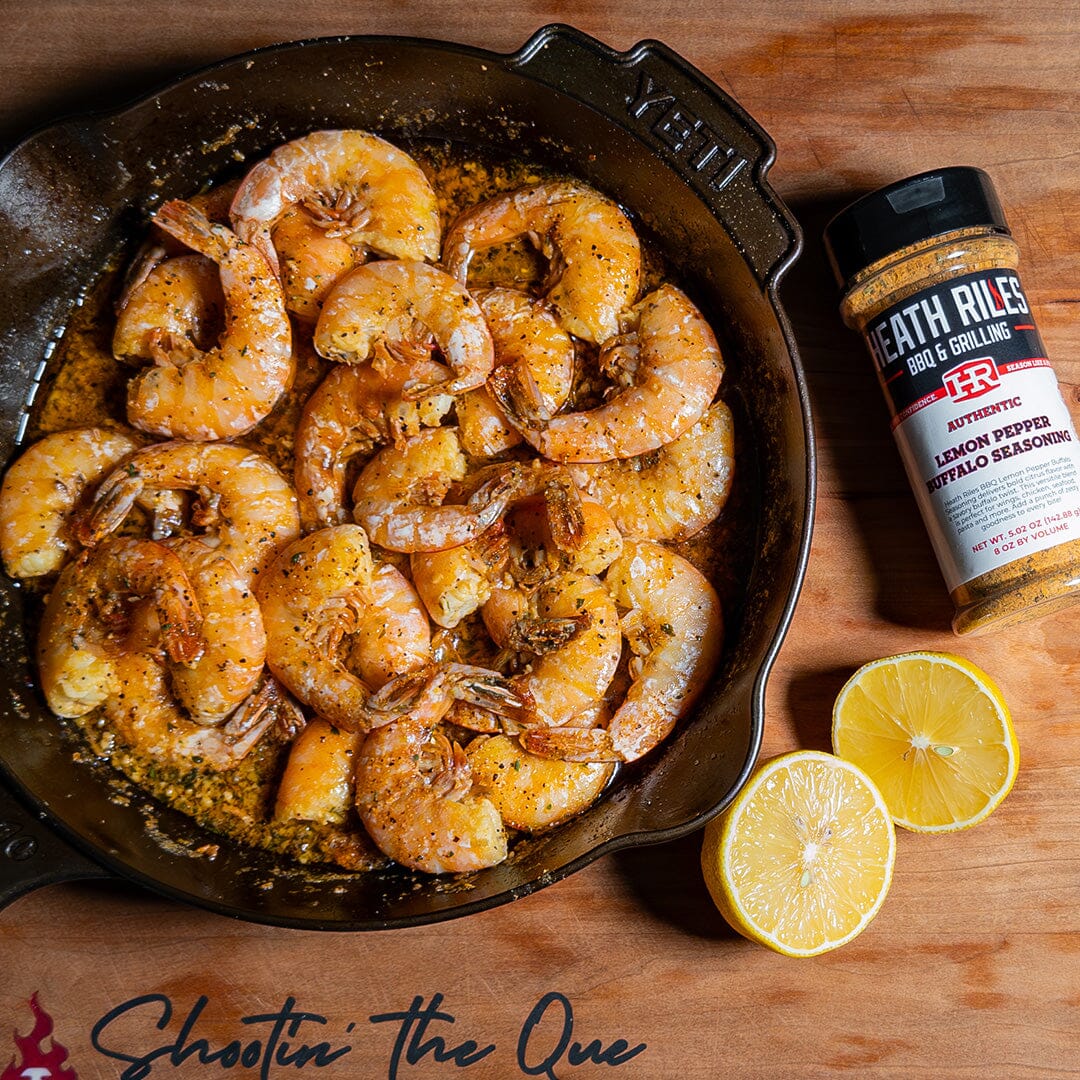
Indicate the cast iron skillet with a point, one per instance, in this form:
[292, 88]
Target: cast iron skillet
[643, 126]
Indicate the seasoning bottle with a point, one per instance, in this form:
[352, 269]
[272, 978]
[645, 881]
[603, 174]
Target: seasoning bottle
[928, 269]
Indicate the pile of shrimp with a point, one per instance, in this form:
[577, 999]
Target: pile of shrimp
[464, 608]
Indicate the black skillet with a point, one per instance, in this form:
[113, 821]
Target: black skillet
[643, 126]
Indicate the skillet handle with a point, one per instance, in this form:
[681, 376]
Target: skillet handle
[689, 122]
[32, 855]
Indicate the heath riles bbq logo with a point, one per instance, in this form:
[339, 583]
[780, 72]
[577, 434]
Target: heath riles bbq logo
[972, 379]
[34, 1061]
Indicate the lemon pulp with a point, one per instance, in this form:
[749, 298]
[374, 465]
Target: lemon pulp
[934, 734]
[803, 858]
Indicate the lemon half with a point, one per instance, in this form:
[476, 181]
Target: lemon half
[934, 733]
[802, 859]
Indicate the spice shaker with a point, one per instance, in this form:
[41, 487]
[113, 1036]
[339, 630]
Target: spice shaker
[928, 269]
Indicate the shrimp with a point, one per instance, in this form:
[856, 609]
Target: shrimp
[394, 636]
[89, 612]
[400, 306]
[311, 260]
[533, 793]
[458, 581]
[353, 185]
[455, 582]
[673, 367]
[227, 390]
[566, 683]
[414, 789]
[393, 639]
[144, 716]
[593, 252]
[398, 497]
[352, 411]
[168, 317]
[674, 627]
[42, 490]
[254, 507]
[537, 549]
[317, 784]
[527, 336]
[234, 640]
[315, 593]
[673, 492]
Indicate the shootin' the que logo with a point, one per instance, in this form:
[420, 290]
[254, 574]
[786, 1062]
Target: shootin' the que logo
[972, 379]
[33, 1061]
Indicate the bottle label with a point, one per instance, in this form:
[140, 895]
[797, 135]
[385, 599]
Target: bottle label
[984, 433]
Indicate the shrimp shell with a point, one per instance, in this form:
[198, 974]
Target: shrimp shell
[42, 489]
[398, 304]
[361, 187]
[674, 367]
[226, 391]
[593, 251]
[673, 492]
[256, 508]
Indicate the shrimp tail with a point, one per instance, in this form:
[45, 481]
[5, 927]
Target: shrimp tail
[269, 703]
[490, 500]
[114, 499]
[504, 385]
[540, 636]
[566, 518]
[571, 744]
[190, 226]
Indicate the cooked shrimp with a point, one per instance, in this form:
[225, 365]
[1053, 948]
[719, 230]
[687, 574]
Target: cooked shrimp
[393, 638]
[533, 793]
[672, 364]
[537, 549]
[42, 490]
[567, 680]
[252, 507]
[234, 640]
[528, 337]
[458, 581]
[398, 498]
[353, 410]
[317, 784]
[414, 786]
[158, 246]
[401, 306]
[316, 593]
[674, 627]
[144, 716]
[673, 492]
[311, 261]
[592, 250]
[89, 612]
[355, 186]
[227, 390]
[168, 317]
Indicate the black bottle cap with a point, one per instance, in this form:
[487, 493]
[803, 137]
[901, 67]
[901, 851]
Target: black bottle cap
[909, 211]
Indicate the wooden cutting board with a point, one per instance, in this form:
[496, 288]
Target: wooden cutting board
[972, 968]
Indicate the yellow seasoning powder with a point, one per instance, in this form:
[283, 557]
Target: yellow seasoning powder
[928, 269]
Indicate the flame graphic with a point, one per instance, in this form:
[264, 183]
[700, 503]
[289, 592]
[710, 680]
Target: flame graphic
[37, 1062]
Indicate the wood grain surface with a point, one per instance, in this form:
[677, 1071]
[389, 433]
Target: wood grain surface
[972, 968]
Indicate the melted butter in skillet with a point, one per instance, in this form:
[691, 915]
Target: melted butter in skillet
[88, 387]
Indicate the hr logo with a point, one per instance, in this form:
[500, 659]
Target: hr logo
[972, 379]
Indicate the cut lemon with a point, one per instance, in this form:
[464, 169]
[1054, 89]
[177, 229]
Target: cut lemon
[802, 859]
[933, 732]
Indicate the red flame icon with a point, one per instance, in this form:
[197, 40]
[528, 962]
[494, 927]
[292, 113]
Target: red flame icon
[37, 1062]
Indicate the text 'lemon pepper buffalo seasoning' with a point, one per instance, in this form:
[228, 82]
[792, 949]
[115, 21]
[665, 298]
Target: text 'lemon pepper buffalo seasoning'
[929, 272]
